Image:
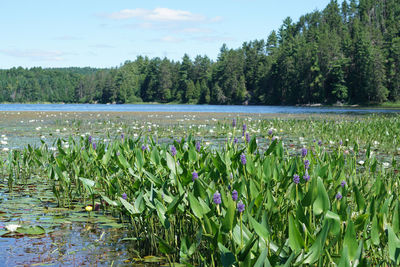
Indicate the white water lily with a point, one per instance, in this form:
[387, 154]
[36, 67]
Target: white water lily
[5, 149]
[361, 162]
[12, 227]
[386, 164]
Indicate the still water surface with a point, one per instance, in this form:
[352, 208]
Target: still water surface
[188, 108]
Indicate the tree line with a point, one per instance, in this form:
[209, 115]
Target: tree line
[348, 53]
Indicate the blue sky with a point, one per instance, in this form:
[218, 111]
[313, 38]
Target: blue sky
[106, 33]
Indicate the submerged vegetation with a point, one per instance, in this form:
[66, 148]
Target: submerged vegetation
[347, 53]
[230, 190]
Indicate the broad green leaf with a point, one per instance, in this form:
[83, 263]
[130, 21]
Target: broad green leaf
[394, 245]
[195, 206]
[259, 228]
[129, 207]
[109, 201]
[227, 223]
[321, 203]
[350, 240]
[317, 248]
[227, 257]
[263, 259]
[171, 163]
[359, 198]
[87, 182]
[344, 259]
[375, 231]
[31, 230]
[296, 242]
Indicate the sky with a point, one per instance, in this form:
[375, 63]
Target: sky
[106, 33]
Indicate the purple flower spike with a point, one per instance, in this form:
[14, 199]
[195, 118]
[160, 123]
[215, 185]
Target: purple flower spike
[195, 175]
[343, 183]
[247, 138]
[235, 141]
[304, 152]
[243, 159]
[198, 146]
[234, 195]
[240, 206]
[340, 142]
[124, 196]
[270, 132]
[319, 142]
[144, 147]
[234, 123]
[339, 196]
[306, 177]
[90, 139]
[173, 150]
[244, 129]
[94, 145]
[217, 198]
[122, 137]
[296, 179]
[306, 164]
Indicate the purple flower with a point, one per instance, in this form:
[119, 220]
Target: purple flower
[296, 179]
[306, 164]
[339, 196]
[240, 206]
[144, 147]
[234, 123]
[319, 142]
[217, 198]
[273, 138]
[195, 175]
[229, 187]
[244, 129]
[340, 142]
[90, 139]
[124, 196]
[270, 132]
[304, 152]
[94, 145]
[343, 183]
[235, 140]
[118, 153]
[247, 138]
[198, 146]
[122, 137]
[234, 195]
[173, 150]
[243, 159]
[306, 176]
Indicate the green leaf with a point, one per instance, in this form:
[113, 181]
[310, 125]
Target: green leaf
[164, 247]
[375, 231]
[296, 242]
[31, 230]
[195, 206]
[129, 207]
[227, 223]
[161, 214]
[359, 198]
[243, 253]
[344, 259]
[171, 163]
[87, 182]
[263, 259]
[260, 230]
[109, 201]
[174, 204]
[350, 240]
[335, 222]
[227, 257]
[321, 203]
[253, 145]
[317, 248]
[394, 245]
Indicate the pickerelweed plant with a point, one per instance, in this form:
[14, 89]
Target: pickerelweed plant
[247, 203]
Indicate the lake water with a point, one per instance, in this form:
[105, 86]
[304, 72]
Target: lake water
[187, 108]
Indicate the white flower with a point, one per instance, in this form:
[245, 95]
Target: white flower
[386, 164]
[6, 149]
[12, 227]
[361, 162]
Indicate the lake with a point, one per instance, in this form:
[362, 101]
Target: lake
[188, 108]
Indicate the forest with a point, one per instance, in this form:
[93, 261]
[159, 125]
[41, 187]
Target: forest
[347, 53]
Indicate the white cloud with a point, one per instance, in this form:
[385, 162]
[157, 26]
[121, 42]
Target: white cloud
[157, 14]
[170, 39]
[35, 54]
